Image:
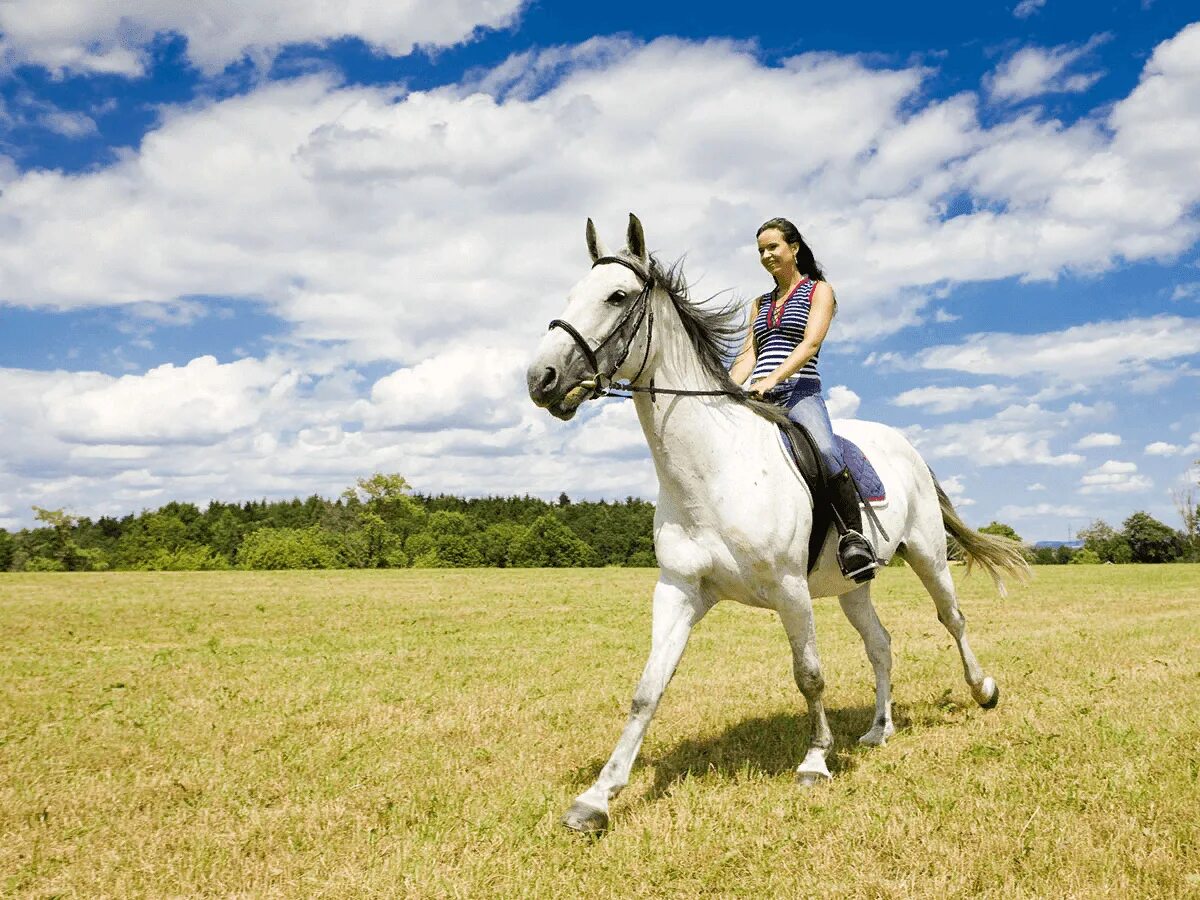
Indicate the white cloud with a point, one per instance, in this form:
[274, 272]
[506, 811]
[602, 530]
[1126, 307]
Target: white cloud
[332, 204]
[956, 490]
[1041, 510]
[1080, 354]
[942, 317]
[842, 402]
[1033, 71]
[84, 36]
[1036, 486]
[1114, 477]
[465, 386]
[1017, 435]
[1098, 439]
[1027, 8]
[1188, 291]
[377, 222]
[1163, 448]
[68, 124]
[954, 399]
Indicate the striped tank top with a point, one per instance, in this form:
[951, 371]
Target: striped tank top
[778, 328]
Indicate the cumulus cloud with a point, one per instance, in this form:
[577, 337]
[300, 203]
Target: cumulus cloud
[1041, 510]
[1098, 439]
[1017, 435]
[956, 490]
[1033, 71]
[334, 205]
[1027, 8]
[1080, 354]
[954, 399]
[388, 227]
[1163, 448]
[112, 38]
[1114, 477]
[842, 402]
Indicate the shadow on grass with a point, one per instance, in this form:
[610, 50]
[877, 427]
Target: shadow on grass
[769, 745]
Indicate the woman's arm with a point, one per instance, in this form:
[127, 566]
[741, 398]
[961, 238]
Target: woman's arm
[820, 314]
[743, 365]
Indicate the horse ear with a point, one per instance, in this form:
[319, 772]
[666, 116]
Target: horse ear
[595, 248]
[635, 239]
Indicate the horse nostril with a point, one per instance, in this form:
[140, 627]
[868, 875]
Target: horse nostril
[548, 379]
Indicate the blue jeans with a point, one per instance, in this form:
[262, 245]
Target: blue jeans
[806, 408]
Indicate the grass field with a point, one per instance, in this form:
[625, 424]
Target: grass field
[418, 733]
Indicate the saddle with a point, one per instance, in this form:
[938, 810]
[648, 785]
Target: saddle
[805, 456]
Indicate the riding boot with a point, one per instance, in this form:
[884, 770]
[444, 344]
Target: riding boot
[855, 557]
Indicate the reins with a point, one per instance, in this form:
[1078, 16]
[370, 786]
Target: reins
[602, 385]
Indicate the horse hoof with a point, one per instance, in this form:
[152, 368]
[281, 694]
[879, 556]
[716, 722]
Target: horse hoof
[812, 779]
[584, 819]
[876, 737]
[993, 698]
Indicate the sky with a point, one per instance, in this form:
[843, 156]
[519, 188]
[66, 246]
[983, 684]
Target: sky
[264, 249]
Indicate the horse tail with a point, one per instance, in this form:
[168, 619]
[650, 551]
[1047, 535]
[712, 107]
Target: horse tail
[995, 554]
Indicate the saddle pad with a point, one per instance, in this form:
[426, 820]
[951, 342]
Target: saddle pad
[870, 485]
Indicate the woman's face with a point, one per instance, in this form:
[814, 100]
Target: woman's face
[776, 255]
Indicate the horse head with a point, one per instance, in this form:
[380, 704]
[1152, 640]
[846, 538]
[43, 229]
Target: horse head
[600, 336]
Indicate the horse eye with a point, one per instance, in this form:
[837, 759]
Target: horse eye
[616, 297]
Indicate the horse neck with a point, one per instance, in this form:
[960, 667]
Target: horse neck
[690, 438]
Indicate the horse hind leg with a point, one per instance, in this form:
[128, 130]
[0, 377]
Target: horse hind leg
[797, 618]
[935, 575]
[858, 608]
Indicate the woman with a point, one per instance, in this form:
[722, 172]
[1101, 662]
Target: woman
[780, 359]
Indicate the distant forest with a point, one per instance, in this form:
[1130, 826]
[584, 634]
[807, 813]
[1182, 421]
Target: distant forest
[378, 523]
[381, 523]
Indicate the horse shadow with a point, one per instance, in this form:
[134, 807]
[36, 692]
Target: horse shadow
[767, 745]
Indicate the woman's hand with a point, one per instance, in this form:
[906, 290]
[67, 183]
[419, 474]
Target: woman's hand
[764, 386]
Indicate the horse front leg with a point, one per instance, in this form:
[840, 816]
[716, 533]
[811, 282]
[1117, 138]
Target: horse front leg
[797, 616]
[677, 608]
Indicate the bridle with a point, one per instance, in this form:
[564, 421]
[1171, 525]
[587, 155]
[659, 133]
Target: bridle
[601, 385]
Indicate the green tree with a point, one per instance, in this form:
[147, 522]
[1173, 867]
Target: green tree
[1085, 557]
[8, 548]
[1044, 556]
[1107, 543]
[288, 548]
[548, 542]
[1150, 540]
[496, 542]
[1001, 529]
[1189, 512]
[62, 547]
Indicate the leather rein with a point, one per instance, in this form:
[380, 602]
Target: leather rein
[602, 385]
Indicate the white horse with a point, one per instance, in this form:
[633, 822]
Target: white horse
[733, 517]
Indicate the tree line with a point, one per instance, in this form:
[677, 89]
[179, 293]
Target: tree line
[381, 523]
[377, 523]
[1142, 539]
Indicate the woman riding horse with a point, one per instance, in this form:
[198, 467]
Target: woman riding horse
[779, 356]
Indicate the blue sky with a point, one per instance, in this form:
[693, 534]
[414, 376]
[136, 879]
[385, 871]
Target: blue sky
[264, 250]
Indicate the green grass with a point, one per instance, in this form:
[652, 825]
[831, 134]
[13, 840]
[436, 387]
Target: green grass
[358, 734]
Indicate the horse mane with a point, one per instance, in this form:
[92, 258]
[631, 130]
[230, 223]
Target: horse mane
[713, 330]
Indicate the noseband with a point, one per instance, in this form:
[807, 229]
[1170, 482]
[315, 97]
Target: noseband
[599, 383]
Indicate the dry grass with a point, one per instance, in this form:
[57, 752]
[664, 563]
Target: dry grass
[353, 734]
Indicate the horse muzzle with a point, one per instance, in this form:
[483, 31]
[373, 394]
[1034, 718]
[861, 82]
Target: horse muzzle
[547, 389]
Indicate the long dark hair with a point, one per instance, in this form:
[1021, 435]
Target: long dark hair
[806, 263]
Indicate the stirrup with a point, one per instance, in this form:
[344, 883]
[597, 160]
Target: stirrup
[861, 572]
